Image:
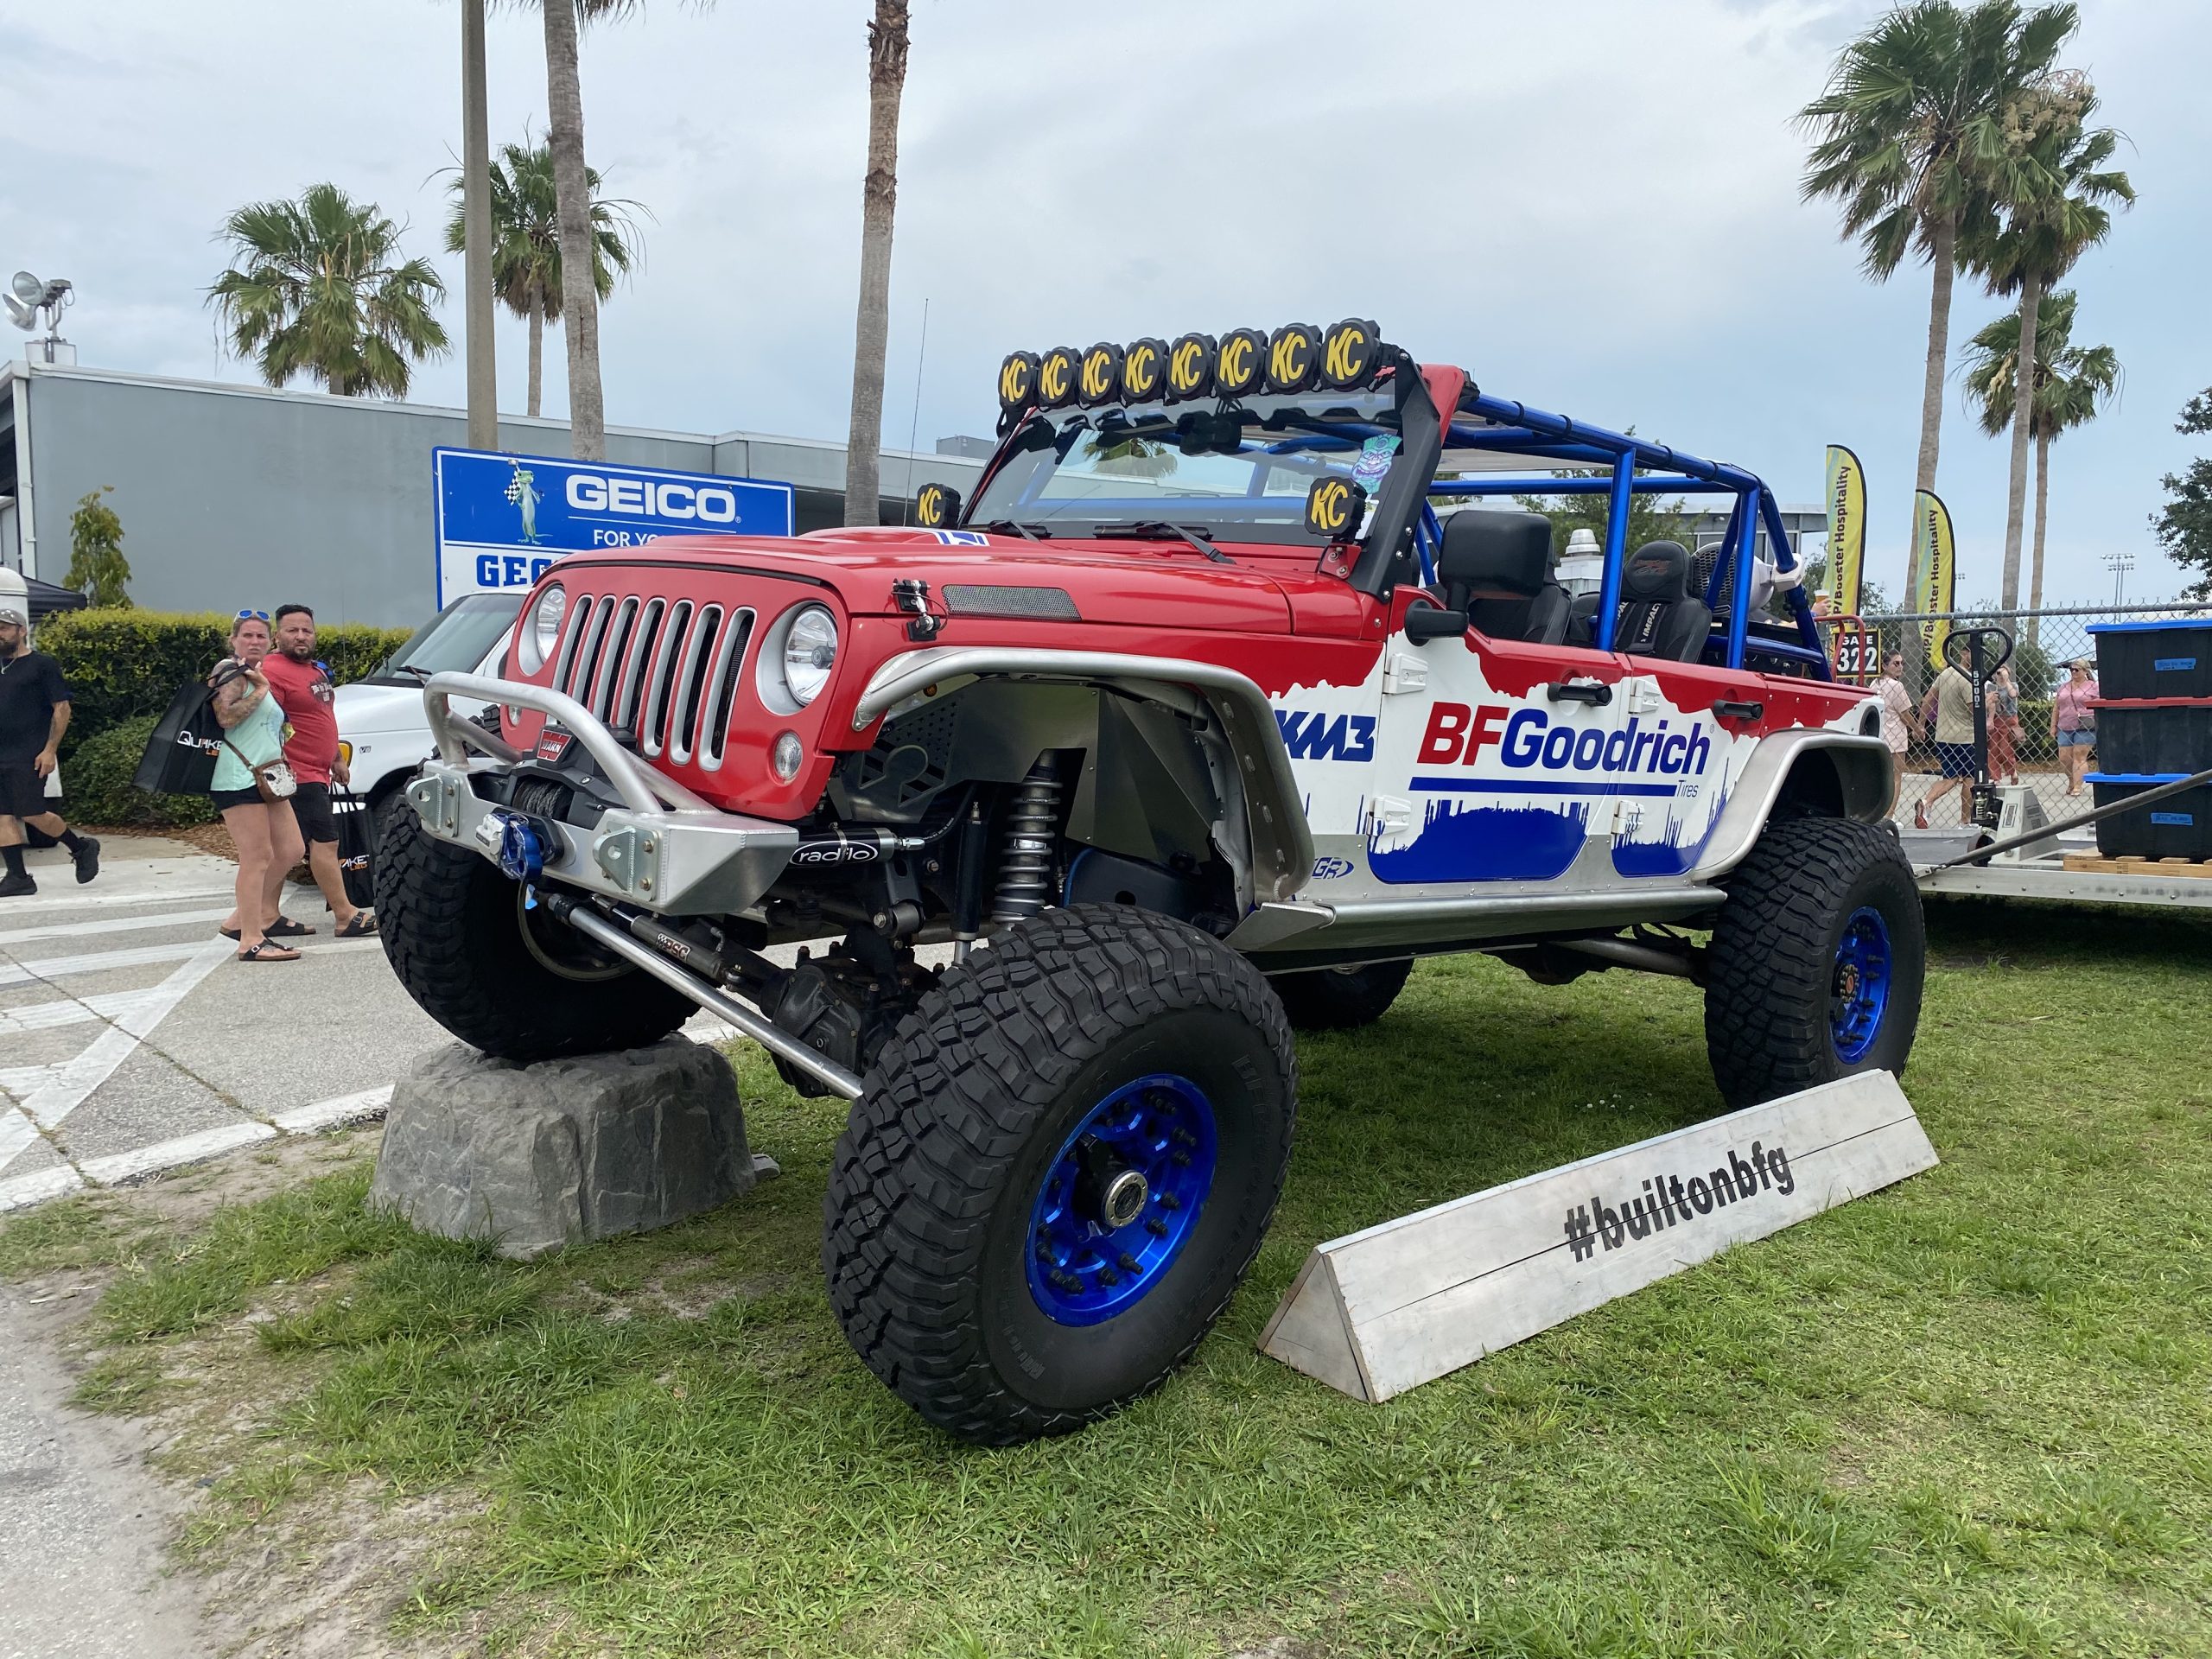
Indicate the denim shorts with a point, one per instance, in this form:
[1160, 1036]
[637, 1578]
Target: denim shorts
[2080, 738]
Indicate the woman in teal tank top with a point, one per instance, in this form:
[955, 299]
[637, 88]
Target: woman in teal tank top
[264, 833]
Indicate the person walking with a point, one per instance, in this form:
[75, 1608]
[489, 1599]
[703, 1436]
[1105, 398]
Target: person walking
[2004, 727]
[2074, 723]
[303, 689]
[1948, 708]
[262, 830]
[1900, 725]
[34, 713]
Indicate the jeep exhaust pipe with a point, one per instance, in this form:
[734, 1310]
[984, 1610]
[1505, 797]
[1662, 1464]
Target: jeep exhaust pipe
[773, 1038]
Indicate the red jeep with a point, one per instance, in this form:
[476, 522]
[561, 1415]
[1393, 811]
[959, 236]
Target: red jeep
[1226, 697]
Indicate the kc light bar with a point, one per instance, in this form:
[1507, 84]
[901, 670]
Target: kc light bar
[1296, 357]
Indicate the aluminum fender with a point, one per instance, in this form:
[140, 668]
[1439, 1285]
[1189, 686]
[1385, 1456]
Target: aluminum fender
[1282, 847]
[1862, 764]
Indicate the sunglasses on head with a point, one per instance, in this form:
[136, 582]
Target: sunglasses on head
[251, 616]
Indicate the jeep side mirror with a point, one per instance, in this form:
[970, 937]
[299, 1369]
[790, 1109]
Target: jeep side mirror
[1424, 622]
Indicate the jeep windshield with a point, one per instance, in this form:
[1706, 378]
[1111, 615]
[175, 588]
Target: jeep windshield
[1237, 472]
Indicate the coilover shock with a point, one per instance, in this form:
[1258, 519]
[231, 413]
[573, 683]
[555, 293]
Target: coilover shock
[1026, 864]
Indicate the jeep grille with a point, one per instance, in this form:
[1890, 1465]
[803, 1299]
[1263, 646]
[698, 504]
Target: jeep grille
[667, 671]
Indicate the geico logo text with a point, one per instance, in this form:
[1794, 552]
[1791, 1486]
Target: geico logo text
[650, 497]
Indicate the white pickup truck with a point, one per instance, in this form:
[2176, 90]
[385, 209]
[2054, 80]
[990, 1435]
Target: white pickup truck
[383, 733]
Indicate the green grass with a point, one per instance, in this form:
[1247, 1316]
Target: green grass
[1969, 1415]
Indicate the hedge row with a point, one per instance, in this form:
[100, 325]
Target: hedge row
[125, 665]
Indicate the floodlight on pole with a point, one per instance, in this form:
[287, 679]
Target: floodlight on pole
[28, 288]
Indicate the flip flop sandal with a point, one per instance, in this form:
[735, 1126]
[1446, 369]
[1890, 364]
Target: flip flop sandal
[269, 951]
[363, 925]
[285, 928]
[229, 932]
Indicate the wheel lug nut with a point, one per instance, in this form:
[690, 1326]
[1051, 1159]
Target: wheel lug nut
[1129, 1263]
[1106, 1276]
[1156, 1227]
[1169, 1201]
[1181, 1159]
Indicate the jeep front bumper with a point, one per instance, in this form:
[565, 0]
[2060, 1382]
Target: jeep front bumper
[659, 847]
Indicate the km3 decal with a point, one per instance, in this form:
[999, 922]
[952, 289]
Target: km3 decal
[1311, 735]
[1526, 739]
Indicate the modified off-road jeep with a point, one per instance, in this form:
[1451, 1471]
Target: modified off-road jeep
[1224, 698]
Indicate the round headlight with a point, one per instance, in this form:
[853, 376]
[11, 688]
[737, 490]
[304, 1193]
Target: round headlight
[541, 628]
[809, 652]
[788, 755]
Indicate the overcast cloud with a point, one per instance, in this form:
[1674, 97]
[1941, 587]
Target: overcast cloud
[1592, 207]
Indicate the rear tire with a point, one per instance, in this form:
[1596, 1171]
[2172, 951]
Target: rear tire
[1339, 999]
[1817, 959]
[452, 930]
[966, 1157]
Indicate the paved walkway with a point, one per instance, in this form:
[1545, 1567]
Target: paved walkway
[132, 1040]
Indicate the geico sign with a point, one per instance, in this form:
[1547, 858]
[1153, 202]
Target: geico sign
[649, 498]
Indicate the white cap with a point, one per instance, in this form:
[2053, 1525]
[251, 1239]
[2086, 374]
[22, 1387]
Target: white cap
[1580, 542]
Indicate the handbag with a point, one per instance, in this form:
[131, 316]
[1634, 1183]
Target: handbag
[355, 841]
[180, 754]
[273, 779]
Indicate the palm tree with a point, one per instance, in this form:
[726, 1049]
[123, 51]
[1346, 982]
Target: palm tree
[1904, 138]
[316, 287]
[2054, 213]
[887, 80]
[2071, 383]
[527, 242]
[564, 108]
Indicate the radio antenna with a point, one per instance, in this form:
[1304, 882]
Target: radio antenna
[914, 427]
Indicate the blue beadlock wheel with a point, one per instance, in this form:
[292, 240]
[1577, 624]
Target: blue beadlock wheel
[1119, 1200]
[1860, 992]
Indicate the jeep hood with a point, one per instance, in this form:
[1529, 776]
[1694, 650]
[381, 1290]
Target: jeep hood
[1135, 582]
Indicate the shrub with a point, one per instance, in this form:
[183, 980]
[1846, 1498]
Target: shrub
[123, 665]
[98, 780]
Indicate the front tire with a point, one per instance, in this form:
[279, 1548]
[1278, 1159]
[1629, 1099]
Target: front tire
[1340, 999]
[988, 1253]
[515, 983]
[1817, 960]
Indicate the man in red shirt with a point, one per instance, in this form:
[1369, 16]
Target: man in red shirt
[303, 689]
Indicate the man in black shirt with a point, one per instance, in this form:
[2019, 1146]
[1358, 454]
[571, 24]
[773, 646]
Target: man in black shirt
[33, 713]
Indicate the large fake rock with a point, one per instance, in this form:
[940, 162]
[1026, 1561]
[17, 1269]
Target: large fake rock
[539, 1156]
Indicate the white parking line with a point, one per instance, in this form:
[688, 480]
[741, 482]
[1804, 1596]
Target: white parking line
[20, 973]
[21, 1191]
[116, 924]
[119, 1168]
[73, 1011]
[321, 1115]
[61, 1095]
[82, 900]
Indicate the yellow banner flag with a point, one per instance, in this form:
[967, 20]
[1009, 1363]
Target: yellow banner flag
[1939, 571]
[1846, 530]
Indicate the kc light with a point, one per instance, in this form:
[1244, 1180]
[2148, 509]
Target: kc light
[541, 629]
[1242, 360]
[802, 649]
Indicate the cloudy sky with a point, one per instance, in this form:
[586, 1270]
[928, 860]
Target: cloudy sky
[1592, 207]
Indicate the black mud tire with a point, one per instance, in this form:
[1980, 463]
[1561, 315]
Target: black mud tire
[1771, 970]
[452, 927]
[1341, 999]
[925, 1233]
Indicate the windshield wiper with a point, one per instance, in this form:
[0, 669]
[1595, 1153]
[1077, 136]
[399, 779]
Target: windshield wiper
[423, 675]
[1158, 530]
[1010, 526]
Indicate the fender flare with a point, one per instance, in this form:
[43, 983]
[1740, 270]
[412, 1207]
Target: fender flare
[1278, 845]
[1865, 777]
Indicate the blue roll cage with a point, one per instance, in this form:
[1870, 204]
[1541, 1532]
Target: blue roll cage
[1518, 428]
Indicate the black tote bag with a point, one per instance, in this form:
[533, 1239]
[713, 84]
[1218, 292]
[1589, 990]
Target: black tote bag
[180, 757]
[356, 837]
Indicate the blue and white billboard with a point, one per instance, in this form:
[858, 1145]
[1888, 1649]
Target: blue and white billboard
[501, 519]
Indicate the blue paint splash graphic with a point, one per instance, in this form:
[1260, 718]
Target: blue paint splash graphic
[1487, 843]
[1669, 854]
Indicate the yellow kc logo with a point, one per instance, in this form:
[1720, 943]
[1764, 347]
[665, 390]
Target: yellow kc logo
[1097, 382]
[930, 508]
[1140, 372]
[1287, 363]
[1342, 359]
[1183, 367]
[1236, 361]
[1053, 376]
[1331, 504]
[1014, 381]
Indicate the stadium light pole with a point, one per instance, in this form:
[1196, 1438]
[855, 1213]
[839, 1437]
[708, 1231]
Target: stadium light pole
[476, 229]
[2119, 565]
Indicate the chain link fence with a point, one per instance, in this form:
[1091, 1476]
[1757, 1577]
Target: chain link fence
[2044, 642]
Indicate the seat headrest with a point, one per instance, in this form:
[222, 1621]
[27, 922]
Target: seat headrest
[1496, 554]
[1657, 571]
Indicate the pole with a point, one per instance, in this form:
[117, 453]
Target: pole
[476, 228]
[914, 427]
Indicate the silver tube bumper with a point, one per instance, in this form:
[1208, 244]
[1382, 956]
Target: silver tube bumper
[662, 848]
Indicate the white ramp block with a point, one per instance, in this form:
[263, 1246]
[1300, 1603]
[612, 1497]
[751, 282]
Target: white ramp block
[1376, 1312]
